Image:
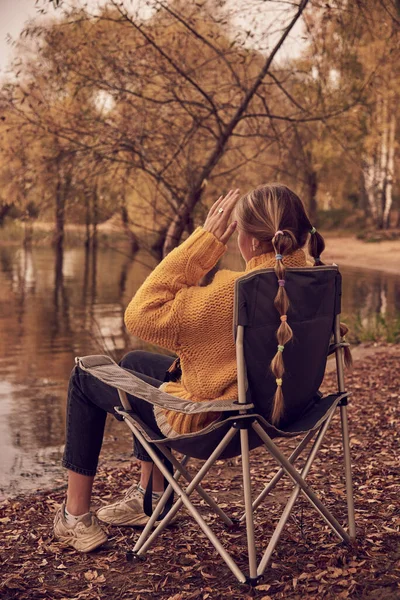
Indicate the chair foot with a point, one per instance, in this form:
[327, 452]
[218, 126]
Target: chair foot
[236, 523]
[132, 556]
[351, 543]
[253, 581]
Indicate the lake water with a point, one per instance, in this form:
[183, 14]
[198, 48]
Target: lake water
[47, 318]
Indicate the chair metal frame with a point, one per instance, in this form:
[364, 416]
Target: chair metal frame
[241, 424]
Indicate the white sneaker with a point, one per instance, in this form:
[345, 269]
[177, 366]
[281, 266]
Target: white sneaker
[84, 536]
[128, 511]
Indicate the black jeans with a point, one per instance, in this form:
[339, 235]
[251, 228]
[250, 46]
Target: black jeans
[89, 401]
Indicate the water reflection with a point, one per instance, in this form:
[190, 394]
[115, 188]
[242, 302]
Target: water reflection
[366, 293]
[54, 307]
[369, 293]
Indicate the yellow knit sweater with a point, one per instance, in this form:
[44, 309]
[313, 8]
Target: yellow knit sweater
[171, 310]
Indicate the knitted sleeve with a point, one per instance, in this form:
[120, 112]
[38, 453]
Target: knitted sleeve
[154, 313]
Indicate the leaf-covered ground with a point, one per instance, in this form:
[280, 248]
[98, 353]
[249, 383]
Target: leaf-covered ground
[309, 562]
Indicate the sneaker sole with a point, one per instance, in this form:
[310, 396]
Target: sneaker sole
[139, 522]
[128, 522]
[95, 542]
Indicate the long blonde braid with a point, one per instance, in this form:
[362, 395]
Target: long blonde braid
[275, 216]
[283, 241]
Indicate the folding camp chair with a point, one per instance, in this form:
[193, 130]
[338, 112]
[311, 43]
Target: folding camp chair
[315, 295]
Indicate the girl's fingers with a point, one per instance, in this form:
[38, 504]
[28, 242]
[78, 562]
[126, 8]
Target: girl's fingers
[232, 197]
[223, 201]
[228, 233]
[215, 206]
[228, 203]
[220, 213]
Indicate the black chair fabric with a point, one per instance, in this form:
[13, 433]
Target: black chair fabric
[314, 295]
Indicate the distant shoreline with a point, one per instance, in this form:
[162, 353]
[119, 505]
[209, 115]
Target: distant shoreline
[383, 256]
[350, 252]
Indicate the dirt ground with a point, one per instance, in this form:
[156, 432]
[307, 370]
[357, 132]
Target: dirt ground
[309, 562]
[349, 251]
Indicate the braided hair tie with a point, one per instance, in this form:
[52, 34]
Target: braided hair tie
[283, 318]
[278, 256]
[278, 381]
[313, 230]
[281, 348]
[281, 282]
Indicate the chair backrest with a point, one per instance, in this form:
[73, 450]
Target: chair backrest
[315, 300]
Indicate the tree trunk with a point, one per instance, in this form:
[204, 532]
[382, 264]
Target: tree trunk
[190, 225]
[378, 166]
[4, 210]
[58, 238]
[28, 233]
[134, 243]
[389, 172]
[362, 203]
[95, 213]
[312, 187]
[62, 190]
[382, 158]
[158, 245]
[174, 232]
[368, 169]
[58, 278]
[87, 222]
[93, 283]
[85, 280]
[181, 220]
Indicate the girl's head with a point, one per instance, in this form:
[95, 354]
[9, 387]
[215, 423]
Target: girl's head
[268, 209]
[272, 218]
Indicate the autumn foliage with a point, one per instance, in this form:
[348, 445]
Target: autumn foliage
[151, 112]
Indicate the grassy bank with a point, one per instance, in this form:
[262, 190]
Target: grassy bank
[378, 328]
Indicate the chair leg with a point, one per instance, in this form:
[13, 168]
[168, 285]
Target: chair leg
[297, 478]
[292, 499]
[347, 464]
[184, 499]
[180, 467]
[279, 474]
[244, 440]
[190, 488]
[199, 489]
[157, 511]
[345, 431]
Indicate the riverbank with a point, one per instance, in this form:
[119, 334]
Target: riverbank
[309, 562]
[345, 250]
[352, 252]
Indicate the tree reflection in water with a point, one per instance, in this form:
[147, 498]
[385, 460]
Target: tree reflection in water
[368, 295]
[370, 298]
[54, 307]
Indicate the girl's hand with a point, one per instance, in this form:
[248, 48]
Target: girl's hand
[219, 215]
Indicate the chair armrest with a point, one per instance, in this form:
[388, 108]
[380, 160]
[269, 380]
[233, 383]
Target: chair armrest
[107, 371]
